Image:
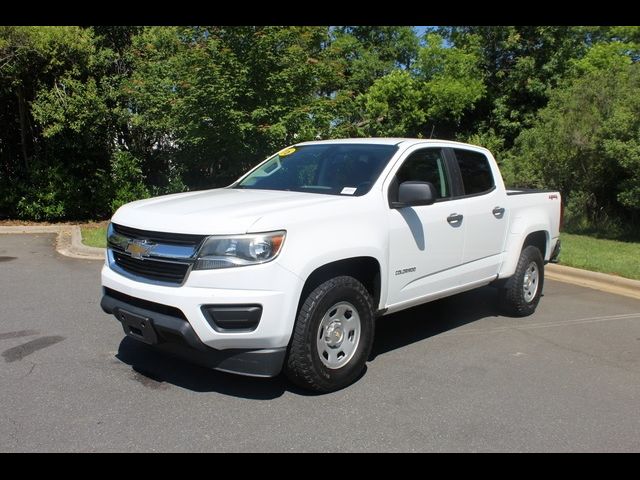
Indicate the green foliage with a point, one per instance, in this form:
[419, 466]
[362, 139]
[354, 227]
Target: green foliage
[126, 179]
[586, 143]
[489, 140]
[92, 117]
[48, 199]
[519, 64]
[443, 85]
[392, 106]
[452, 80]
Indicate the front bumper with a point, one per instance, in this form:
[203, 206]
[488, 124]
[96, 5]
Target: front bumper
[172, 333]
[270, 286]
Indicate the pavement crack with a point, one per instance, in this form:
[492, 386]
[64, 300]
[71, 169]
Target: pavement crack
[33, 366]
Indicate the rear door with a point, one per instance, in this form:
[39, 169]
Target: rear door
[484, 201]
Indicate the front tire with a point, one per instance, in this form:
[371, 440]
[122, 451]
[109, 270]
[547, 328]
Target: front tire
[332, 337]
[521, 293]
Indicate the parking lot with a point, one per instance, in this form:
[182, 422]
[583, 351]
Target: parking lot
[453, 375]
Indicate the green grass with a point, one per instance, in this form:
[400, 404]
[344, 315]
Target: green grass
[94, 236]
[599, 255]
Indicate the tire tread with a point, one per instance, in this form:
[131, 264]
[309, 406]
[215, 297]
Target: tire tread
[511, 298]
[299, 366]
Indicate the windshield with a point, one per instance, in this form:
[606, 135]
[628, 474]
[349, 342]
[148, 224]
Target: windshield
[333, 169]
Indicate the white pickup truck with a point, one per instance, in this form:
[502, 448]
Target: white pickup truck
[288, 267]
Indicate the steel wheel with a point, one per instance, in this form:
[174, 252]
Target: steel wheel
[530, 283]
[338, 335]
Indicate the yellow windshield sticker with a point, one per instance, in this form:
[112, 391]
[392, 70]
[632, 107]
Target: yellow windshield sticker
[287, 151]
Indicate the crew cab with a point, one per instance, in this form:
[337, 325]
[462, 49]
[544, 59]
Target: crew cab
[288, 268]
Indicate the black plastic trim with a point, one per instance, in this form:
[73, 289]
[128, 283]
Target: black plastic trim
[145, 304]
[457, 187]
[177, 337]
[233, 318]
[556, 252]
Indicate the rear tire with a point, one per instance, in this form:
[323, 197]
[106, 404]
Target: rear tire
[332, 337]
[521, 293]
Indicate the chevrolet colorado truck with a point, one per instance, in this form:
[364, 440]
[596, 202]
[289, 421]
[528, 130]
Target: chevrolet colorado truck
[289, 267]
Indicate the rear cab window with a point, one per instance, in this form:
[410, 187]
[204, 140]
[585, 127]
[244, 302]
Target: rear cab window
[475, 171]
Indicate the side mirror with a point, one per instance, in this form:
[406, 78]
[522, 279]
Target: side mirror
[415, 193]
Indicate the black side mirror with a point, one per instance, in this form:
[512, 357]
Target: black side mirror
[415, 193]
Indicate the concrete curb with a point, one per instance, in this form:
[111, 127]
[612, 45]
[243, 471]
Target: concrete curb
[68, 243]
[595, 280]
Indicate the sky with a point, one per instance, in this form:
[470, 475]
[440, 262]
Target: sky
[420, 30]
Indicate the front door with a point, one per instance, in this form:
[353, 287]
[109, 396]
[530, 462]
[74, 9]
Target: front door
[426, 242]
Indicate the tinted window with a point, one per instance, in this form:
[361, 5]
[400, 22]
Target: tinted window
[336, 169]
[475, 171]
[426, 166]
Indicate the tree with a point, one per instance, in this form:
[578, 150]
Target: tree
[427, 100]
[352, 60]
[519, 65]
[56, 136]
[586, 142]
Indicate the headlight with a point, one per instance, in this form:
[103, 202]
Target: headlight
[239, 250]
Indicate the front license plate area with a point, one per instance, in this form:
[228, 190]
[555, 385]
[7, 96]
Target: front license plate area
[139, 327]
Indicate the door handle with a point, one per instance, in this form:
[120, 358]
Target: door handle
[455, 219]
[498, 212]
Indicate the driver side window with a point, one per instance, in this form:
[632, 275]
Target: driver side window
[426, 165]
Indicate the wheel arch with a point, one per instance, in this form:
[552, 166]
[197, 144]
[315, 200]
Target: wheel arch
[365, 269]
[537, 236]
[538, 239]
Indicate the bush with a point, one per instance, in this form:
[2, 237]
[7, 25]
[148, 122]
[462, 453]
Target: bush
[585, 143]
[127, 180]
[48, 196]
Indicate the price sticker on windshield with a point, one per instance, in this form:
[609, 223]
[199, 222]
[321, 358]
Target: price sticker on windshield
[287, 151]
[348, 190]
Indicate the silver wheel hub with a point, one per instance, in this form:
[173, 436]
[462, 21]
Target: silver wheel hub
[334, 335]
[338, 335]
[530, 283]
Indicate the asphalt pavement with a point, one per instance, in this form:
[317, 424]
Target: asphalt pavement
[453, 375]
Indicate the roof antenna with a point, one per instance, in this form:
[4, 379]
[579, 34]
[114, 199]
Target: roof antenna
[432, 129]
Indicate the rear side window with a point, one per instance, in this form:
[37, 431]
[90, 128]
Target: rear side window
[426, 166]
[475, 171]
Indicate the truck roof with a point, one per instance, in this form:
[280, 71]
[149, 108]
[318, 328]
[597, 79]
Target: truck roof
[385, 141]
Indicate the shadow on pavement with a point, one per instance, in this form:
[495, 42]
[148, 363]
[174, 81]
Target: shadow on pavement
[400, 329]
[158, 368]
[153, 369]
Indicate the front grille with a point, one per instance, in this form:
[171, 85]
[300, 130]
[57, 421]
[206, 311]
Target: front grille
[152, 269]
[159, 237]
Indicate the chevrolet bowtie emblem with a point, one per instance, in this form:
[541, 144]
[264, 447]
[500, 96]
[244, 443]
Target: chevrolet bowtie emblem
[139, 248]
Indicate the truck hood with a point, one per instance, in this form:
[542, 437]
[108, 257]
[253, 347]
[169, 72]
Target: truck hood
[214, 212]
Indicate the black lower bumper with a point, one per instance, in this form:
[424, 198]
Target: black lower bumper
[167, 329]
